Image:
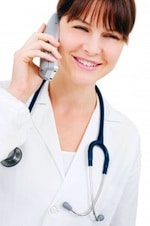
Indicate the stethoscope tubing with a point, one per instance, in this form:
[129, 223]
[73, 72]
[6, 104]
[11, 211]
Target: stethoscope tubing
[100, 139]
[99, 143]
[15, 156]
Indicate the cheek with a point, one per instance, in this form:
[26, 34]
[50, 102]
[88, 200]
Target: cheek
[66, 42]
[66, 48]
[113, 53]
[70, 41]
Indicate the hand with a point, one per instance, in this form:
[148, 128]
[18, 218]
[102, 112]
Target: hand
[25, 77]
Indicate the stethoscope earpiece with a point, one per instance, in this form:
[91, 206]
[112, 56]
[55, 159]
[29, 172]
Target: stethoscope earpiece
[13, 158]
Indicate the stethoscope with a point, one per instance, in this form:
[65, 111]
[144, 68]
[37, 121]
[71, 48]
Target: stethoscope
[100, 143]
[15, 156]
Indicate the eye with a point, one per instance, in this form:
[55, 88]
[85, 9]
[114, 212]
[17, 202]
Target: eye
[81, 28]
[112, 36]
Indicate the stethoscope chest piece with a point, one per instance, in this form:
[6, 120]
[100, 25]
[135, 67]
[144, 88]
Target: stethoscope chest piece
[100, 217]
[13, 158]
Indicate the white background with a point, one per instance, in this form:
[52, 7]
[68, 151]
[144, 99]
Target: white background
[127, 87]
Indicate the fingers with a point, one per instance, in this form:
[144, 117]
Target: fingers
[45, 37]
[47, 48]
[41, 45]
[40, 54]
[41, 28]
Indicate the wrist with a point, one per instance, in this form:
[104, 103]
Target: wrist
[22, 95]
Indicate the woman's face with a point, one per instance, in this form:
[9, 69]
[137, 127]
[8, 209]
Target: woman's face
[88, 52]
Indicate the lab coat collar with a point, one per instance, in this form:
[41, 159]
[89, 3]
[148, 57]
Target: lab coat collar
[110, 114]
[49, 134]
[42, 108]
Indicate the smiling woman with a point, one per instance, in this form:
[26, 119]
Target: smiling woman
[78, 152]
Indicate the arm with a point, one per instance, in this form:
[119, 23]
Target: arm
[14, 115]
[14, 123]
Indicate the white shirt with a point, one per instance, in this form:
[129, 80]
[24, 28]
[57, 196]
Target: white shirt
[67, 157]
[32, 192]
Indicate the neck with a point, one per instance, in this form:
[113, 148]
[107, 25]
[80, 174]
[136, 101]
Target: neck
[72, 97]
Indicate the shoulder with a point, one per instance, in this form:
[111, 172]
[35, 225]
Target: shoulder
[4, 84]
[120, 121]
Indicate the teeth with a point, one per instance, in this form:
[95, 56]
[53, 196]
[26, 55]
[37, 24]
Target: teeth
[86, 63]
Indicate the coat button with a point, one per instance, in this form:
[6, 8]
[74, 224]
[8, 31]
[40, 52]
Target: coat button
[53, 209]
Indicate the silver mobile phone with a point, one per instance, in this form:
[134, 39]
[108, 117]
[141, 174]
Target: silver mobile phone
[48, 69]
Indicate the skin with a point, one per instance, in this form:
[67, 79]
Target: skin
[82, 40]
[85, 54]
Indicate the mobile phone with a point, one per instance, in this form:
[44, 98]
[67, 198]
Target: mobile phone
[48, 69]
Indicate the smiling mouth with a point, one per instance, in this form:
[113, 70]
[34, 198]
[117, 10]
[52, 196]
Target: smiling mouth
[86, 63]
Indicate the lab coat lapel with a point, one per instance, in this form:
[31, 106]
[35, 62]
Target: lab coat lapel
[44, 122]
[43, 115]
[80, 161]
[77, 175]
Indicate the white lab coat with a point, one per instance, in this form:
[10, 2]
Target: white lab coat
[32, 192]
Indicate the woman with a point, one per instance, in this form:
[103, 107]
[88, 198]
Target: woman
[51, 184]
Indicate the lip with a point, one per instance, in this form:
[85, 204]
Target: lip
[86, 64]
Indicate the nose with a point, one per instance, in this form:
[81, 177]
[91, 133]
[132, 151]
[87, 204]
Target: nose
[92, 45]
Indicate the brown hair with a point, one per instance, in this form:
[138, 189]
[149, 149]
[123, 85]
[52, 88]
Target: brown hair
[118, 15]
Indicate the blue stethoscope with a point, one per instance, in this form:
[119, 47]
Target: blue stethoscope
[15, 156]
